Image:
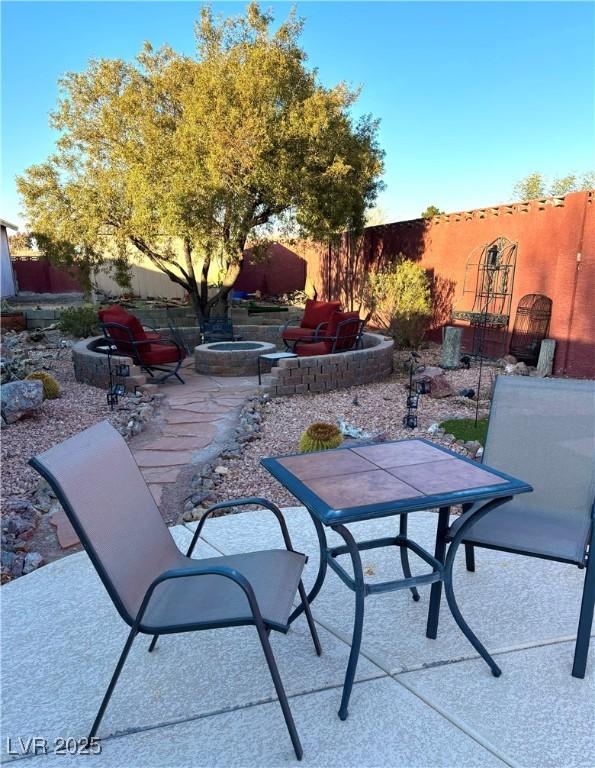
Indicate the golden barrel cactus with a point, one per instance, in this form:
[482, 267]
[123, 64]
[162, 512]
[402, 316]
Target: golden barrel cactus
[320, 436]
[51, 388]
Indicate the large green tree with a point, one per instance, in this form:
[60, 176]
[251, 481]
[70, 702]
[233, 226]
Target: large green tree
[536, 186]
[184, 159]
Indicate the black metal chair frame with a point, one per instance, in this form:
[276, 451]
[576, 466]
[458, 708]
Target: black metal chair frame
[357, 338]
[135, 622]
[581, 650]
[217, 329]
[134, 351]
[588, 598]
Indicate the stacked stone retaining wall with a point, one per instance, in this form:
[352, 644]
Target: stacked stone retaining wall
[295, 376]
[91, 367]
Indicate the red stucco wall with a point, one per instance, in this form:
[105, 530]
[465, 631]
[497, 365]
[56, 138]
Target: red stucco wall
[556, 257]
[39, 276]
[278, 271]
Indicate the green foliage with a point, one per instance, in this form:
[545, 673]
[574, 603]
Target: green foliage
[535, 186]
[79, 321]
[51, 388]
[183, 158]
[320, 436]
[400, 301]
[465, 429]
[20, 241]
[431, 211]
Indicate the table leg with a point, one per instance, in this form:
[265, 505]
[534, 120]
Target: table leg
[403, 551]
[436, 590]
[460, 534]
[358, 623]
[258, 366]
[323, 547]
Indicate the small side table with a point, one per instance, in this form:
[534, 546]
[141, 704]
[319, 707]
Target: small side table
[273, 357]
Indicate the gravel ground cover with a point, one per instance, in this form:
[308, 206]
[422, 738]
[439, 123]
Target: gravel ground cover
[78, 407]
[28, 537]
[376, 408]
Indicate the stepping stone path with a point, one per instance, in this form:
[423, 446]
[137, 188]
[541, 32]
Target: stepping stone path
[195, 416]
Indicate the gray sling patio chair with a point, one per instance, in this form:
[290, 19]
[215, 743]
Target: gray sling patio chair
[543, 430]
[155, 588]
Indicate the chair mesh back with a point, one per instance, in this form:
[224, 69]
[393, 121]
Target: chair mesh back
[107, 500]
[543, 431]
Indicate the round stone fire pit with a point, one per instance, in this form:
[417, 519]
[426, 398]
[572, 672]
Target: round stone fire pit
[230, 358]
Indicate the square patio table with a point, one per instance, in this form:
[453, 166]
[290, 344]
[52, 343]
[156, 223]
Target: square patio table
[351, 484]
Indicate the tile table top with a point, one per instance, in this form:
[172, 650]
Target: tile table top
[349, 484]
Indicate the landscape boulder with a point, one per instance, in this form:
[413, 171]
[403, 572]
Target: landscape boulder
[20, 398]
[439, 386]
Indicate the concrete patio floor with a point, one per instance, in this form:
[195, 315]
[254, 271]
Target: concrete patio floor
[206, 699]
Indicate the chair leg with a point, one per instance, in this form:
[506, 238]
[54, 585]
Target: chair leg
[153, 643]
[585, 623]
[405, 555]
[470, 557]
[268, 652]
[311, 625]
[113, 681]
[436, 589]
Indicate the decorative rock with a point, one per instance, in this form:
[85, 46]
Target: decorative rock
[221, 470]
[429, 372]
[433, 428]
[440, 387]
[32, 561]
[507, 360]
[472, 447]
[479, 453]
[448, 439]
[20, 398]
[467, 392]
[521, 369]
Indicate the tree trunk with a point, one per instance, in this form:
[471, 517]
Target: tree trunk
[218, 305]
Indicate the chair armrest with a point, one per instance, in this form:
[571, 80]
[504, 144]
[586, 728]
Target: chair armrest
[239, 503]
[318, 329]
[213, 570]
[288, 323]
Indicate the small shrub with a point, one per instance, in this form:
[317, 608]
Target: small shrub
[320, 437]
[51, 388]
[79, 321]
[400, 299]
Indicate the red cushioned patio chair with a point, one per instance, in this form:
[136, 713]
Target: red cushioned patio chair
[343, 333]
[148, 349]
[317, 315]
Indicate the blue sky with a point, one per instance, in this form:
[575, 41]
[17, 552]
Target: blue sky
[472, 96]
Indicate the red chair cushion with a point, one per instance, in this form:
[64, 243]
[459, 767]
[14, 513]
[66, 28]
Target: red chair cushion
[158, 354]
[118, 314]
[304, 349]
[316, 312]
[347, 333]
[293, 333]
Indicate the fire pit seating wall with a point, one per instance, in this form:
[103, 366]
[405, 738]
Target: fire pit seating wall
[320, 373]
